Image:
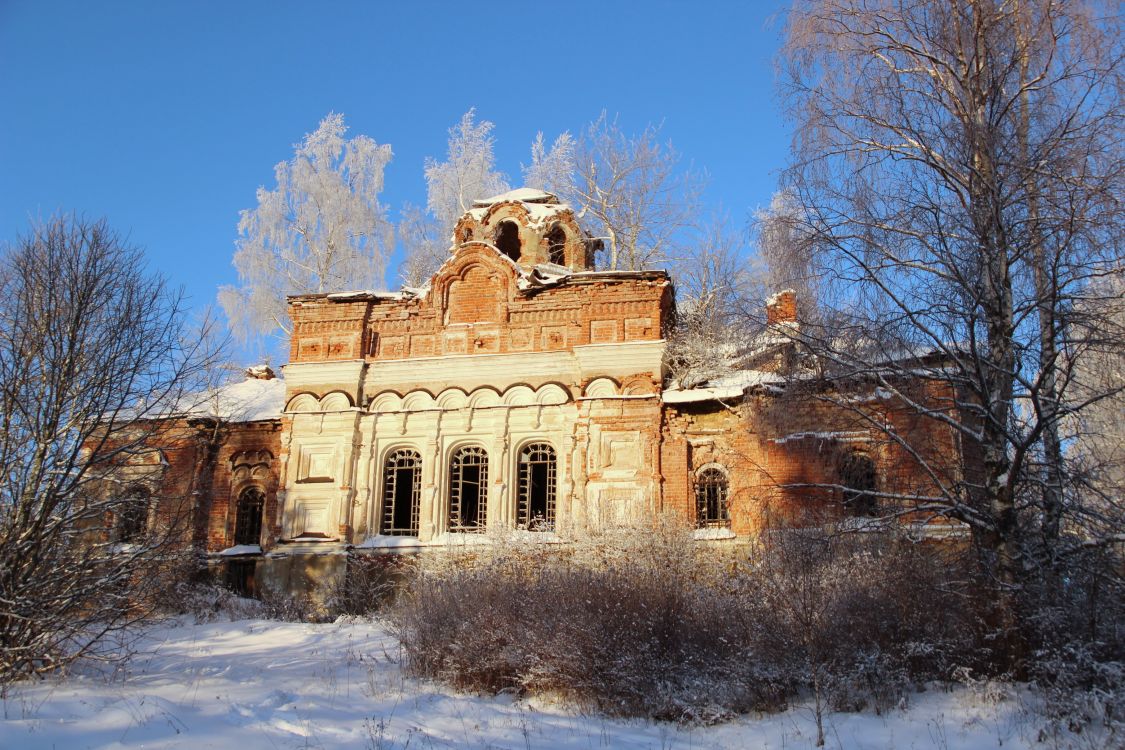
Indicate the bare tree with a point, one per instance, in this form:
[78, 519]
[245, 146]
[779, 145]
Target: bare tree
[322, 228]
[468, 174]
[628, 190]
[426, 243]
[784, 253]
[956, 170]
[93, 353]
[715, 281]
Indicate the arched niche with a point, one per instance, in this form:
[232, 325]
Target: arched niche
[551, 394]
[484, 397]
[452, 398]
[519, 395]
[418, 401]
[336, 401]
[385, 402]
[303, 403]
[601, 388]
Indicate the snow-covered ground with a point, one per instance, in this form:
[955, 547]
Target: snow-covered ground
[258, 684]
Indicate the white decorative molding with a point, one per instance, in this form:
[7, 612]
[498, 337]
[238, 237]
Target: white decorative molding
[306, 376]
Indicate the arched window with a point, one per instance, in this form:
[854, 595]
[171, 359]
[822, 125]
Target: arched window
[402, 493]
[508, 239]
[711, 491]
[468, 489]
[132, 516]
[857, 475]
[537, 472]
[248, 518]
[556, 246]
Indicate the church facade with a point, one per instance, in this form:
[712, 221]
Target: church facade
[522, 390]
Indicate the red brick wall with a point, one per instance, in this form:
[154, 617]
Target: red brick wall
[474, 306]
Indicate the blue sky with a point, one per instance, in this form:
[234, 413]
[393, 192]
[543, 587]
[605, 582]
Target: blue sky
[165, 117]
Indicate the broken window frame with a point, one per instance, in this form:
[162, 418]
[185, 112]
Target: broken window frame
[397, 462]
[468, 458]
[531, 456]
[507, 233]
[857, 474]
[248, 515]
[131, 516]
[556, 245]
[712, 498]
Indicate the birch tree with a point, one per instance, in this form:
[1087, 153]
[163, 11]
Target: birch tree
[628, 190]
[957, 169]
[467, 174]
[322, 228]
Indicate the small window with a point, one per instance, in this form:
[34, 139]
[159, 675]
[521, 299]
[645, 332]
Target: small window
[132, 516]
[402, 493]
[240, 577]
[468, 489]
[508, 240]
[556, 246]
[248, 518]
[857, 475]
[711, 506]
[537, 487]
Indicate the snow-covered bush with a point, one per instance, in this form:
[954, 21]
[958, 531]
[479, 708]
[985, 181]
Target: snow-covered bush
[654, 624]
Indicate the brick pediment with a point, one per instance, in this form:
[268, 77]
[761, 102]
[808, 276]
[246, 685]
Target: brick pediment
[475, 286]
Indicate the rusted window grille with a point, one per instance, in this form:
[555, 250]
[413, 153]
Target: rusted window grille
[537, 487]
[468, 489]
[857, 475]
[132, 516]
[248, 518]
[711, 507]
[402, 493]
[556, 246]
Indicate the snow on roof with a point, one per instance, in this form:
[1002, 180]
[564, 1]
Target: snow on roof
[249, 400]
[362, 294]
[726, 387]
[776, 296]
[524, 194]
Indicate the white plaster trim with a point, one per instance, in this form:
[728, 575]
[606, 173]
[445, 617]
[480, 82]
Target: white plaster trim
[305, 375]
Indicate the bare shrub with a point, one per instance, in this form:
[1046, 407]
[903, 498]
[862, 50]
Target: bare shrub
[859, 618]
[369, 583]
[650, 623]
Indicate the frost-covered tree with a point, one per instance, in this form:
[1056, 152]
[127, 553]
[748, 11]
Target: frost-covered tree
[321, 229]
[784, 253]
[630, 192]
[715, 281]
[552, 169]
[468, 174]
[957, 169]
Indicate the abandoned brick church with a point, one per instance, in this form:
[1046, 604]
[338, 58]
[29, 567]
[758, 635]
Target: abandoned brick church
[520, 389]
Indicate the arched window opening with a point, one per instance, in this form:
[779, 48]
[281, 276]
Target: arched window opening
[468, 489]
[248, 518]
[132, 516]
[556, 246]
[857, 475]
[711, 506]
[537, 479]
[508, 240]
[402, 493]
